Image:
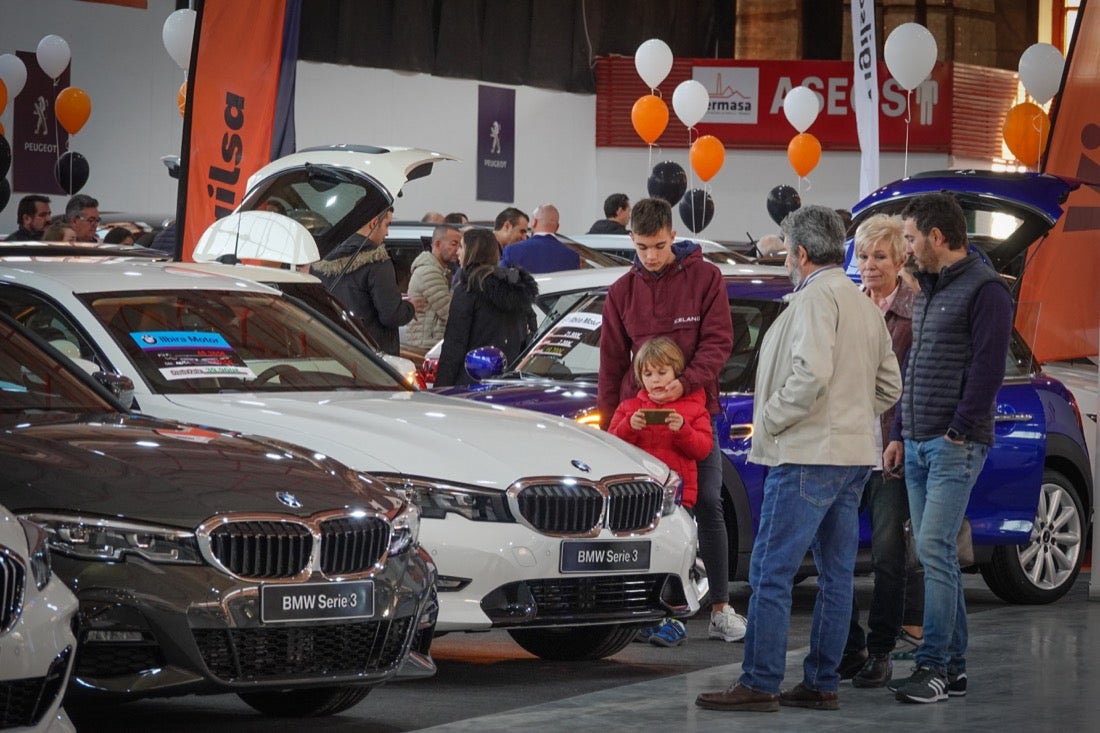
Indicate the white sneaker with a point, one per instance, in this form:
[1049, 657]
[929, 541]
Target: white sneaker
[727, 625]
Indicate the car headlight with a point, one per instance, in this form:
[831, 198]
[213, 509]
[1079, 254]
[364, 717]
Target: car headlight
[478, 505]
[674, 490]
[39, 555]
[108, 539]
[405, 529]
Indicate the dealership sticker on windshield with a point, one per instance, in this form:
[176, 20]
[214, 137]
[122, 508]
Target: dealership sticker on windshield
[285, 603]
[580, 556]
[191, 354]
[571, 330]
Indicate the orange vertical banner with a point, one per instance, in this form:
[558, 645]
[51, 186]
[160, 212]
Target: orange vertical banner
[1063, 274]
[234, 81]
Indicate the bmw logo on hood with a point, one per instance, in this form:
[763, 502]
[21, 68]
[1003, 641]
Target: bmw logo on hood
[581, 466]
[288, 499]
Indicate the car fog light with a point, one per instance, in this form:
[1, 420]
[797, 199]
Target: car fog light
[449, 583]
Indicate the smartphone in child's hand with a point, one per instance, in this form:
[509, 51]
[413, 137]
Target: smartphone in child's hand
[656, 417]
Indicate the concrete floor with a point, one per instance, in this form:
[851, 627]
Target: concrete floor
[1030, 669]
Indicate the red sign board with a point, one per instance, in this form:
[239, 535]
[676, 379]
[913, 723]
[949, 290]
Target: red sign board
[746, 104]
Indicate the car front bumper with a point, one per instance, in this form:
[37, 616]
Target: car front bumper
[157, 630]
[503, 574]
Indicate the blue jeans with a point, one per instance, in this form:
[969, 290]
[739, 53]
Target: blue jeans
[940, 476]
[804, 507]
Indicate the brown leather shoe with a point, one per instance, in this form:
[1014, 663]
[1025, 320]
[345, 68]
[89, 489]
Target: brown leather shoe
[801, 696]
[739, 697]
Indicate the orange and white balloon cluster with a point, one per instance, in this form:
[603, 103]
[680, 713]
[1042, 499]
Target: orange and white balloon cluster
[178, 33]
[1027, 125]
[801, 106]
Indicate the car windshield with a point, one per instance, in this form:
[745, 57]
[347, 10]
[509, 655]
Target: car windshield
[568, 347]
[33, 382]
[192, 341]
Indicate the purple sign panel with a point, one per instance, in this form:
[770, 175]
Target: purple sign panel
[38, 140]
[496, 144]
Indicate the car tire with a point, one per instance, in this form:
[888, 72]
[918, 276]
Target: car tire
[575, 643]
[310, 702]
[1044, 569]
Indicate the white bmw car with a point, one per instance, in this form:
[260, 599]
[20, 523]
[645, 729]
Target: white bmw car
[37, 645]
[567, 537]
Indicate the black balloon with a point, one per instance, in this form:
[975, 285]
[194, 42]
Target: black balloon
[71, 172]
[697, 209]
[782, 200]
[5, 192]
[5, 156]
[668, 181]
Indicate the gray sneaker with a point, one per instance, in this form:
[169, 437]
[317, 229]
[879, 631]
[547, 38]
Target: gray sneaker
[727, 625]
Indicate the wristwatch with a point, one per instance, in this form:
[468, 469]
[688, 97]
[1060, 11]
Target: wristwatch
[955, 435]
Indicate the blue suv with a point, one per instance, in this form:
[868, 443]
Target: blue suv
[1029, 510]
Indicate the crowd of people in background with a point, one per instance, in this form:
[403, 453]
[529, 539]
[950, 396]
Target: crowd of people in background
[79, 223]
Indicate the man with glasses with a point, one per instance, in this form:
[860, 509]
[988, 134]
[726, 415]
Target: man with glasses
[34, 216]
[82, 214]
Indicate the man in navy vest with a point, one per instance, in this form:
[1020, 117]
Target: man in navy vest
[962, 322]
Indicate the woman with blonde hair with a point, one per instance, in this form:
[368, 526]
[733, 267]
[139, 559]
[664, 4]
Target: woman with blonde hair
[880, 255]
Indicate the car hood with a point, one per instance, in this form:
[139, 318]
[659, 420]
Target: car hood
[422, 434]
[569, 399]
[170, 474]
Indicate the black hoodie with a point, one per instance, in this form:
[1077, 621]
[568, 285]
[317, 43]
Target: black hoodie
[497, 312]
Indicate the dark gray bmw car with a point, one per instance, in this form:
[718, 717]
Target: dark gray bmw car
[206, 561]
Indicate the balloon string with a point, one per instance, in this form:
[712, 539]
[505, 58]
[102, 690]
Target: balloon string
[908, 118]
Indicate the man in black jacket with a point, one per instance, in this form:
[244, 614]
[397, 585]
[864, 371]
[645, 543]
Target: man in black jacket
[360, 273]
[616, 210]
[33, 215]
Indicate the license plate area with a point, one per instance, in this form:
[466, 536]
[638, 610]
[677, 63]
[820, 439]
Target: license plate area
[584, 556]
[287, 603]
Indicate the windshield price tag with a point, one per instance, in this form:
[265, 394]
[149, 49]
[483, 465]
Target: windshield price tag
[585, 557]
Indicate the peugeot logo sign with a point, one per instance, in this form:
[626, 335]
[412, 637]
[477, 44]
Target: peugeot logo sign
[288, 499]
[581, 466]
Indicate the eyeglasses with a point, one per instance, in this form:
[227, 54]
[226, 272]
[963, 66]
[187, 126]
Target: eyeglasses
[92, 219]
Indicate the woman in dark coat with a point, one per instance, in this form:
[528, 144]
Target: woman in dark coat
[490, 306]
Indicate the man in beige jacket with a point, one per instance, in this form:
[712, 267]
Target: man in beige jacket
[827, 370]
[431, 280]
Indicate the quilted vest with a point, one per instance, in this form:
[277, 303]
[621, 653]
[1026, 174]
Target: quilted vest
[941, 351]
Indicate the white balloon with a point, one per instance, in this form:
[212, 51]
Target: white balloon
[53, 55]
[653, 60]
[1041, 66]
[177, 33]
[801, 106]
[910, 54]
[690, 101]
[14, 73]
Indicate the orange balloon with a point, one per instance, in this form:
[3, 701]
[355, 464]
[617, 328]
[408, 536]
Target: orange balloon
[73, 107]
[707, 156]
[804, 151]
[1, 129]
[1026, 130]
[649, 117]
[181, 98]
[3, 96]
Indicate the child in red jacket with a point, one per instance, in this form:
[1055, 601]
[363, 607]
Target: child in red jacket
[678, 432]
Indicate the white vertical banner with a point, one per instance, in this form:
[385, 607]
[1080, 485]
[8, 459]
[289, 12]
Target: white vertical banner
[865, 92]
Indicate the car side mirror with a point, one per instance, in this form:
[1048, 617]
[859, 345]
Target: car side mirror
[121, 386]
[485, 362]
